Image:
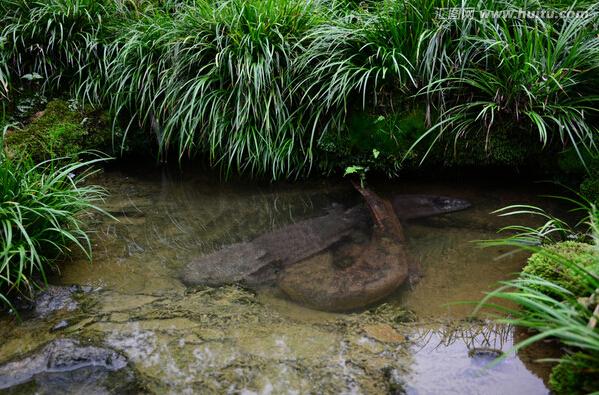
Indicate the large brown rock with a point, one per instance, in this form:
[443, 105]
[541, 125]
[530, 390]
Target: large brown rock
[327, 282]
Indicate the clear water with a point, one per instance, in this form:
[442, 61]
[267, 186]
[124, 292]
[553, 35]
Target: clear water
[233, 340]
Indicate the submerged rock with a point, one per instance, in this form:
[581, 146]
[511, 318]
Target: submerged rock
[378, 269]
[206, 340]
[485, 353]
[92, 380]
[375, 269]
[61, 355]
[383, 333]
[60, 326]
[55, 298]
[226, 340]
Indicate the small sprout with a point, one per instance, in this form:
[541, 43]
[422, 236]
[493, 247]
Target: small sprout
[360, 170]
[32, 76]
[353, 170]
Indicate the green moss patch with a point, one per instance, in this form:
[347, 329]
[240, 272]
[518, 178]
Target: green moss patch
[61, 131]
[573, 376]
[544, 265]
[506, 148]
[590, 189]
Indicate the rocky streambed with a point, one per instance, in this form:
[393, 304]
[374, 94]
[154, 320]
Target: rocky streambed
[213, 340]
[129, 323]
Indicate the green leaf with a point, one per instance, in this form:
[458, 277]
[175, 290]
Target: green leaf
[353, 170]
[32, 76]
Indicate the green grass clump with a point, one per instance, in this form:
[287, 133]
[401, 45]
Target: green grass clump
[60, 131]
[553, 311]
[543, 265]
[219, 79]
[255, 86]
[40, 220]
[572, 376]
[54, 42]
[369, 58]
[532, 76]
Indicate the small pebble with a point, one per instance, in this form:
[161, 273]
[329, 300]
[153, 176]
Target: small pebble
[484, 352]
[61, 325]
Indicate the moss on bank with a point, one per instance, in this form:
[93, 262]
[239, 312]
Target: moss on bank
[586, 173]
[589, 188]
[569, 377]
[61, 130]
[392, 136]
[576, 373]
[543, 264]
[503, 149]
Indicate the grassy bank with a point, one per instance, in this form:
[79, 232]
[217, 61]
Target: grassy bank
[557, 294]
[270, 87]
[40, 220]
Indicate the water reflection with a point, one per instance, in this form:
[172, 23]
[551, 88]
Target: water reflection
[473, 336]
[459, 359]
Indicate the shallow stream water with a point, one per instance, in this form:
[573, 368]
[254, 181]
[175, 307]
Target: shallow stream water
[230, 339]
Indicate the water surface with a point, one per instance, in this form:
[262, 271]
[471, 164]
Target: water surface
[236, 340]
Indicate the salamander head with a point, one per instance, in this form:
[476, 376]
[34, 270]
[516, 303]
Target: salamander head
[418, 206]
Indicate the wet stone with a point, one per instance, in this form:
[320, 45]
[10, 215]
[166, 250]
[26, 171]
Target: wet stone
[91, 380]
[225, 340]
[484, 353]
[54, 299]
[384, 333]
[59, 356]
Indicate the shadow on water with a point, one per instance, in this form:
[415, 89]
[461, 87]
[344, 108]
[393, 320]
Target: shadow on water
[231, 339]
